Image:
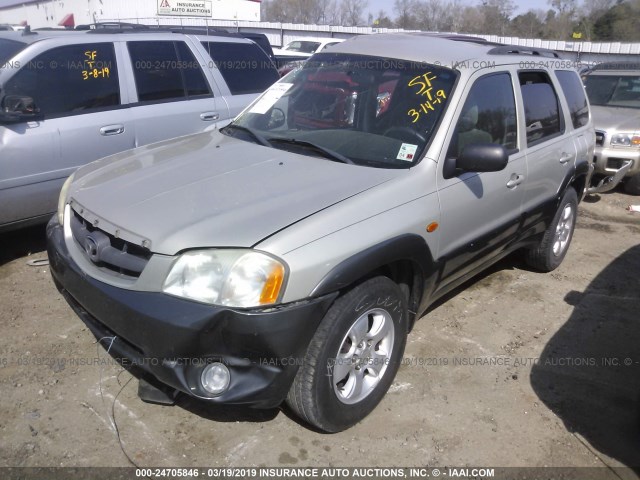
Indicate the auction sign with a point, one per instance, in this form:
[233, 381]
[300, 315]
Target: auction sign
[198, 8]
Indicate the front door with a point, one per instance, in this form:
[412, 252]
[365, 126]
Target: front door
[77, 90]
[481, 211]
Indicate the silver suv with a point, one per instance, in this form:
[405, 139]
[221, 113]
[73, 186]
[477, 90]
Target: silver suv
[68, 98]
[287, 257]
[614, 92]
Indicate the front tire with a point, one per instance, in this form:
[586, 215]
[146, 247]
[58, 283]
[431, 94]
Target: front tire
[548, 255]
[353, 357]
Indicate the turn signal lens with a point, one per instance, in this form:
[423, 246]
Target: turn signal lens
[272, 286]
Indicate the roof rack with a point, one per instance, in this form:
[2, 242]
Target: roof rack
[193, 29]
[621, 65]
[458, 37]
[116, 27]
[258, 38]
[462, 38]
[27, 31]
[122, 27]
[516, 50]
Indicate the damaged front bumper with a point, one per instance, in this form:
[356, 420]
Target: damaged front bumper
[171, 340]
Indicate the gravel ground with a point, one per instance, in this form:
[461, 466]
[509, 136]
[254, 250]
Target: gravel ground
[516, 368]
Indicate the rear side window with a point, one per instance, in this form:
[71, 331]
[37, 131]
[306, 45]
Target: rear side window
[69, 80]
[244, 66]
[8, 48]
[195, 83]
[541, 107]
[166, 71]
[575, 95]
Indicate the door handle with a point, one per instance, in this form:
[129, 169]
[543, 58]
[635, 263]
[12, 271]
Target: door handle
[209, 116]
[565, 157]
[515, 180]
[112, 130]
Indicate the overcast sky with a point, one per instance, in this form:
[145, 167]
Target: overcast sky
[521, 5]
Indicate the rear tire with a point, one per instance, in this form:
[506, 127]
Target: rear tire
[352, 358]
[551, 250]
[632, 185]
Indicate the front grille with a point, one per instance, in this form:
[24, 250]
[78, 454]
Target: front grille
[599, 138]
[615, 163]
[106, 251]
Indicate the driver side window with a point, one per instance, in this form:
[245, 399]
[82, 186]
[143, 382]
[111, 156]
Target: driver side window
[488, 115]
[69, 80]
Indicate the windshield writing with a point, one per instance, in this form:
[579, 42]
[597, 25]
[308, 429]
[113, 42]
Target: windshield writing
[371, 111]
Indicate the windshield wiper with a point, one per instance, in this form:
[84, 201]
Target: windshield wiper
[327, 153]
[261, 140]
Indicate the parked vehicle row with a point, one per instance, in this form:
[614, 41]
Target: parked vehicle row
[259, 249]
[11, 28]
[614, 94]
[69, 98]
[305, 47]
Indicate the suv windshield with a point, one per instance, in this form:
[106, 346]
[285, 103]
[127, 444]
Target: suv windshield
[365, 110]
[8, 48]
[614, 90]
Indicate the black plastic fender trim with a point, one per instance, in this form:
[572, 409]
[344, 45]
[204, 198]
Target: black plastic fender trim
[580, 169]
[410, 247]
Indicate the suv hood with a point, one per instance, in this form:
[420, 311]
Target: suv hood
[616, 119]
[210, 190]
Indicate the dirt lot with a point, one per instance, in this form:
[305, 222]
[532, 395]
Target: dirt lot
[516, 369]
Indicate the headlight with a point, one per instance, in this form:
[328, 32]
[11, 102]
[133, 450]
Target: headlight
[625, 140]
[62, 199]
[236, 278]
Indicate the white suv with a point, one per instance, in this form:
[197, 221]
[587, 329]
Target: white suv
[68, 98]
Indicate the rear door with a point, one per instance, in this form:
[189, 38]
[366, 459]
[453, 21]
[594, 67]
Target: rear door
[578, 107]
[171, 93]
[244, 70]
[77, 88]
[551, 151]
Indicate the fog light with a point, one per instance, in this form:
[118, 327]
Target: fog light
[215, 378]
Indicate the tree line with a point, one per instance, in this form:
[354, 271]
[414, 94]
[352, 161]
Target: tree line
[588, 20]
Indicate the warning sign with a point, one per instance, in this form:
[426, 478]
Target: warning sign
[198, 8]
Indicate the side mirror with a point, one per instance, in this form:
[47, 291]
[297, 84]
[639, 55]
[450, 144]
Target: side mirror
[18, 108]
[477, 157]
[483, 157]
[275, 119]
